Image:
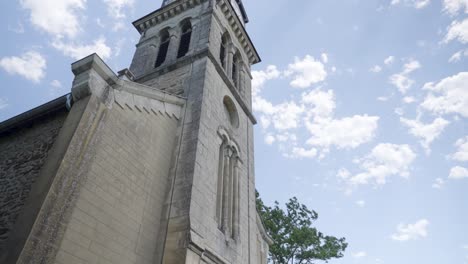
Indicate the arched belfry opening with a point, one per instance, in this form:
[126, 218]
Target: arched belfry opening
[165, 40]
[185, 38]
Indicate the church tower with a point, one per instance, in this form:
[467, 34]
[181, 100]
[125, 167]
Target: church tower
[154, 164]
[201, 51]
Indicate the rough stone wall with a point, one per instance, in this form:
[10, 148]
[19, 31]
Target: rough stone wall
[117, 215]
[22, 155]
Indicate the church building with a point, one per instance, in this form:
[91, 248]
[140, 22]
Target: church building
[154, 164]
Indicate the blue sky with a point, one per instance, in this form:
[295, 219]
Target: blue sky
[362, 107]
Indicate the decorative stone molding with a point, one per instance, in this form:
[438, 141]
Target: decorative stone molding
[177, 7]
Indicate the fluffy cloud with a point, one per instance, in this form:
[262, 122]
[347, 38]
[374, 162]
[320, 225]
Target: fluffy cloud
[3, 103]
[314, 111]
[414, 231]
[320, 103]
[454, 6]
[457, 173]
[304, 153]
[448, 96]
[114, 7]
[376, 69]
[260, 77]
[462, 149]
[457, 31]
[426, 132]
[389, 60]
[414, 3]
[457, 56]
[409, 99]
[438, 183]
[56, 17]
[306, 71]
[359, 254]
[31, 65]
[324, 57]
[401, 80]
[345, 133]
[80, 51]
[385, 160]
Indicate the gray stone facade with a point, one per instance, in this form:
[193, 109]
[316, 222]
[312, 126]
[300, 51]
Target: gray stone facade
[155, 165]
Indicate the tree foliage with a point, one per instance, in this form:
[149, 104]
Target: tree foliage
[295, 240]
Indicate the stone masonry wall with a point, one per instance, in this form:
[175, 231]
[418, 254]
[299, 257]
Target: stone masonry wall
[22, 155]
[118, 211]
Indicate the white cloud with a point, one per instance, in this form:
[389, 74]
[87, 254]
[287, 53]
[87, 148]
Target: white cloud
[457, 31]
[399, 111]
[414, 231]
[314, 111]
[409, 99]
[389, 60]
[345, 133]
[324, 58]
[260, 77]
[384, 161]
[80, 51]
[56, 17]
[414, 3]
[306, 72]
[114, 7]
[452, 7]
[320, 103]
[462, 151]
[426, 132]
[361, 203]
[283, 116]
[360, 254]
[269, 139]
[304, 153]
[457, 173]
[401, 80]
[31, 65]
[3, 103]
[343, 174]
[56, 84]
[438, 183]
[465, 246]
[457, 56]
[448, 96]
[382, 98]
[376, 69]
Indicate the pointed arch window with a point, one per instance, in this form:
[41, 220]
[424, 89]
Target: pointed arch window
[163, 48]
[228, 188]
[185, 38]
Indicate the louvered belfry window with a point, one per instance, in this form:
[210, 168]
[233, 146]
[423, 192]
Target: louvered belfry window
[184, 45]
[163, 48]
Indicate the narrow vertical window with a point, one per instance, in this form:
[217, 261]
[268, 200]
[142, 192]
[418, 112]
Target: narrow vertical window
[235, 70]
[222, 53]
[228, 190]
[185, 37]
[163, 48]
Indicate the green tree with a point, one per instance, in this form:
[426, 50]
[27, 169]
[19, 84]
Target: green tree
[295, 240]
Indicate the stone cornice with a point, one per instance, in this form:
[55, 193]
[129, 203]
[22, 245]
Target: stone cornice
[164, 14]
[239, 29]
[180, 6]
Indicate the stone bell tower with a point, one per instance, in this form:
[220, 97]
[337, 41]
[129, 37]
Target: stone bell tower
[200, 50]
[154, 164]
